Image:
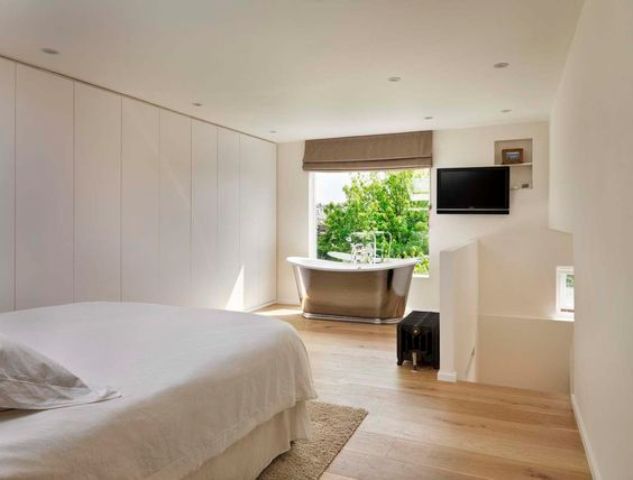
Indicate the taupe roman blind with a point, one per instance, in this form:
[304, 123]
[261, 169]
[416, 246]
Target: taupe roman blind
[372, 152]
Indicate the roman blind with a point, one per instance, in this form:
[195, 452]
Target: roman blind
[372, 152]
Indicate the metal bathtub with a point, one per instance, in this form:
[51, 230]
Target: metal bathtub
[370, 293]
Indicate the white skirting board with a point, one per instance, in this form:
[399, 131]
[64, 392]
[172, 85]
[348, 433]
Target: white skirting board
[593, 465]
[263, 305]
[447, 376]
[290, 302]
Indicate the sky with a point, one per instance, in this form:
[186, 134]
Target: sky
[328, 187]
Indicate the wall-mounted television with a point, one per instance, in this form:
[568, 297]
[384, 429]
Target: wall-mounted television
[473, 190]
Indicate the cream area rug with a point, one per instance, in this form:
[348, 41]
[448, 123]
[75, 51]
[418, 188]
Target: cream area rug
[332, 427]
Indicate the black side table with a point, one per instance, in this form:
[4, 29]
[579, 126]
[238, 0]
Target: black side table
[419, 339]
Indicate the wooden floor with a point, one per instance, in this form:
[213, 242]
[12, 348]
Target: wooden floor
[419, 428]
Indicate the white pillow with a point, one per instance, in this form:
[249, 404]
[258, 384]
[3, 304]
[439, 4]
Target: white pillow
[32, 381]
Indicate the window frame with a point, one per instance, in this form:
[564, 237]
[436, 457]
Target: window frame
[312, 217]
[561, 274]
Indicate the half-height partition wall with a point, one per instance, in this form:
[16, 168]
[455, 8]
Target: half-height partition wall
[459, 312]
[105, 197]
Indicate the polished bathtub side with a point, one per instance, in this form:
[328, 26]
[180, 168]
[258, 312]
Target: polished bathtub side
[377, 296]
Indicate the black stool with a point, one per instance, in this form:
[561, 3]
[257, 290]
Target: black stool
[419, 339]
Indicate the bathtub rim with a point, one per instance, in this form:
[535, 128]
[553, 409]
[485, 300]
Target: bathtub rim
[333, 266]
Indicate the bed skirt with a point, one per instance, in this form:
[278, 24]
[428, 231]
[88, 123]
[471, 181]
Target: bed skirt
[248, 457]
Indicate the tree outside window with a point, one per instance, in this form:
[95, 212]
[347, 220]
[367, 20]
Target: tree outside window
[387, 201]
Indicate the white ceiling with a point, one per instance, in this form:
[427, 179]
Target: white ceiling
[308, 68]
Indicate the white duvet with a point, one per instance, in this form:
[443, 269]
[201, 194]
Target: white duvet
[193, 382]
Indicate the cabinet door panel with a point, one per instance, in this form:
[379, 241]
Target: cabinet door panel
[230, 275]
[258, 220]
[140, 200]
[250, 218]
[7, 184]
[97, 194]
[44, 189]
[175, 208]
[204, 233]
[269, 226]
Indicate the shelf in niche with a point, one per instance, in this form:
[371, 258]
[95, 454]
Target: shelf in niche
[520, 173]
[520, 165]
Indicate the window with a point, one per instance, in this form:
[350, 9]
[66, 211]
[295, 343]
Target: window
[392, 204]
[565, 291]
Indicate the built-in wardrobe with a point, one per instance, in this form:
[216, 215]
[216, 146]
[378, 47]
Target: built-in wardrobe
[104, 197]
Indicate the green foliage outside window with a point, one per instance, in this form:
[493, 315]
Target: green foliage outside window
[383, 201]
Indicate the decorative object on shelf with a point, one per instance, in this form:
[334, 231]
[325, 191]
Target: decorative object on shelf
[511, 156]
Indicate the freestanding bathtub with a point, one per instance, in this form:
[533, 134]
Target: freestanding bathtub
[370, 293]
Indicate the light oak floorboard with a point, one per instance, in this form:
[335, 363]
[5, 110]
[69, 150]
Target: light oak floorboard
[419, 428]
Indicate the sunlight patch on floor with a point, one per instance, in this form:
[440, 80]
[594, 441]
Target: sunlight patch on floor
[280, 311]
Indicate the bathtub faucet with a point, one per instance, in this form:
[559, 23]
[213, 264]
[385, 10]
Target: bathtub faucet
[366, 250]
[363, 253]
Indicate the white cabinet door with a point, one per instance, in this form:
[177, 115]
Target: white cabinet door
[140, 197]
[250, 219]
[268, 276]
[230, 276]
[204, 228]
[175, 208]
[97, 194]
[7, 184]
[44, 189]
[258, 220]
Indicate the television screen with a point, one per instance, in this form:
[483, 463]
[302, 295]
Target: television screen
[473, 190]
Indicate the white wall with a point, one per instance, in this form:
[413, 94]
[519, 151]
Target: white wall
[517, 272]
[521, 345]
[451, 148]
[528, 208]
[293, 207]
[524, 352]
[592, 193]
[118, 199]
[459, 307]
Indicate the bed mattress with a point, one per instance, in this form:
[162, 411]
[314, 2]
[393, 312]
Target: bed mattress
[194, 382]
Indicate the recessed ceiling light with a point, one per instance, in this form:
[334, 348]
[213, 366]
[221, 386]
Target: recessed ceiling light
[395, 78]
[506, 110]
[50, 51]
[428, 118]
[501, 65]
[196, 104]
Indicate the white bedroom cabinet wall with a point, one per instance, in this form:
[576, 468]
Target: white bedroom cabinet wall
[204, 226]
[175, 208]
[229, 274]
[140, 198]
[44, 189]
[269, 226]
[7, 184]
[258, 220]
[97, 194]
[250, 219]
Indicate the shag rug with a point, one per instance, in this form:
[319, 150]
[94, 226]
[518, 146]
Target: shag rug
[332, 427]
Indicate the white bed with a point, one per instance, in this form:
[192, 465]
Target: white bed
[206, 393]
